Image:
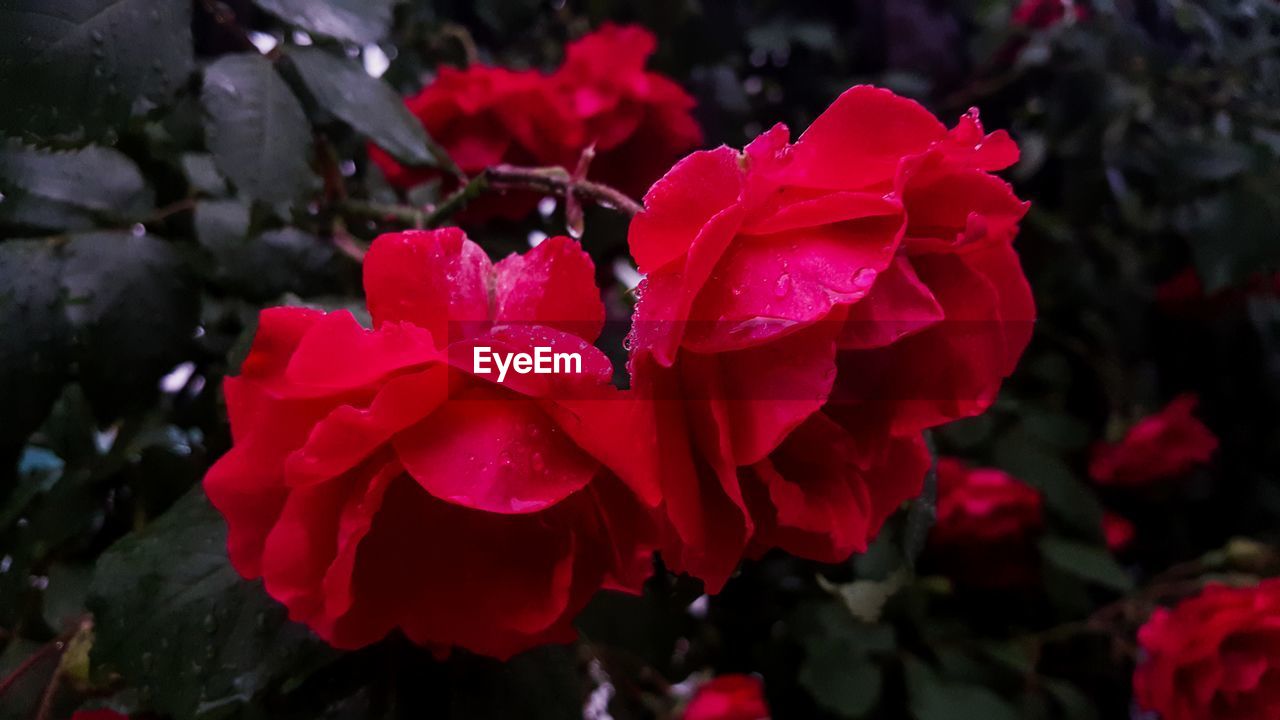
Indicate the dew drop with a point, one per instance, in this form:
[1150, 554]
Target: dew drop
[864, 278]
[783, 286]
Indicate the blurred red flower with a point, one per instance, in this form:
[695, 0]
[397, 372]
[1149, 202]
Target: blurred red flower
[987, 525]
[98, 715]
[639, 121]
[1117, 531]
[484, 116]
[728, 697]
[808, 309]
[377, 481]
[1214, 656]
[1043, 14]
[1183, 294]
[1158, 447]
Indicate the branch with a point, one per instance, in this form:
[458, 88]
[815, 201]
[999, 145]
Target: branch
[547, 180]
[558, 181]
[26, 665]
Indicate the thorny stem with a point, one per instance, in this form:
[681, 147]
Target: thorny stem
[335, 190]
[557, 181]
[462, 36]
[56, 647]
[548, 180]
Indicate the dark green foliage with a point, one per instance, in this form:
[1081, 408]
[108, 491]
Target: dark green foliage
[77, 70]
[256, 128]
[176, 621]
[161, 181]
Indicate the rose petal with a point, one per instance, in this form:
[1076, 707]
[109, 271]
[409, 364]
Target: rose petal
[768, 286]
[349, 434]
[770, 389]
[514, 581]
[490, 450]
[437, 279]
[552, 285]
[950, 207]
[338, 355]
[680, 203]
[819, 504]
[859, 141]
[899, 305]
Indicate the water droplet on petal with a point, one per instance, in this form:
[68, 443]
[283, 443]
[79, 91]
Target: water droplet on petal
[863, 279]
[783, 286]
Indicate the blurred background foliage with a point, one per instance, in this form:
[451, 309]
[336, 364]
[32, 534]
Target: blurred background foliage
[145, 220]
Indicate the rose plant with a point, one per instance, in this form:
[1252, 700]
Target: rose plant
[377, 482]
[808, 309]
[1213, 656]
[1159, 447]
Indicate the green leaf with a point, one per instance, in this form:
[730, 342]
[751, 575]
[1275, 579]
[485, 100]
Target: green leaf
[933, 698]
[202, 174]
[36, 350]
[56, 502]
[360, 21]
[841, 677]
[542, 684]
[22, 697]
[70, 190]
[176, 622]
[65, 594]
[1074, 704]
[265, 266]
[1210, 160]
[76, 69]
[369, 105]
[1233, 236]
[1021, 453]
[256, 129]
[134, 307]
[1087, 562]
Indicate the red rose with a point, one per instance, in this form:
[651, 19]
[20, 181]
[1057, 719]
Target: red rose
[485, 116]
[102, 714]
[639, 121]
[377, 481]
[1215, 656]
[985, 514]
[1044, 14]
[808, 309]
[1183, 294]
[728, 697]
[1117, 531]
[1160, 446]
